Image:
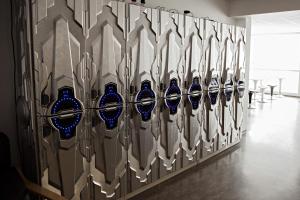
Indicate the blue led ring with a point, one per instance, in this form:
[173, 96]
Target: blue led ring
[66, 101]
[110, 114]
[173, 89]
[195, 87]
[146, 92]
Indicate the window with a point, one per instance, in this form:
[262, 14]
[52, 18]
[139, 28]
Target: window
[274, 56]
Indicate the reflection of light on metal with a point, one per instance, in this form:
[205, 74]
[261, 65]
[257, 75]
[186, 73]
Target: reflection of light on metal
[241, 88]
[173, 96]
[195, 93]
[228, 90]
[110, 105]
[213, 91]
[145, 100]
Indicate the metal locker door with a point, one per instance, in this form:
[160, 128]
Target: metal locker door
[226, 85]
[193, 73]
[105, 48]
[59, 43]
[170, 78]
[239, 83]
[211, 87]
[143, 74]
[25, 109]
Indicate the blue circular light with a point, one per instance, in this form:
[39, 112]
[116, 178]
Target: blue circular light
[213, 96]
[175, 92]
[110, 105]
[66, 102]
[146, 93]
[195, 88]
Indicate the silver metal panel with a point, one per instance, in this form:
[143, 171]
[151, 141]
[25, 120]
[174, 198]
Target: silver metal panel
[25, 109]
[143, 81]
[211, 87]
[239, 83]
[170, 97]
[226, 85]
[227, 54]
[212, 51]
[240, 54]
[58, 45]
[144, 92]
[193, 74]
[105, 48]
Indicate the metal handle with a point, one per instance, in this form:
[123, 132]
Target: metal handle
[146, 101]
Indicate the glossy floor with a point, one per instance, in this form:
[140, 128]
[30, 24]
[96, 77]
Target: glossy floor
[266, 166]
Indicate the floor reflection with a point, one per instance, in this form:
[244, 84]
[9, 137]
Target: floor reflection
[265, 167]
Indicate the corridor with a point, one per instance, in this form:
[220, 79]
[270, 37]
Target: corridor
[265, 166]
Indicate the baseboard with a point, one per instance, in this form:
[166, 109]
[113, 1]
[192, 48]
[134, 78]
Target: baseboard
[201, 162]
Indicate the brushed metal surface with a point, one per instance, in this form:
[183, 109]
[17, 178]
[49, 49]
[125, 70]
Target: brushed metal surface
[164, 69]
[58, 45]
[226, 85]
[212, 68]
[170, 69]
[142, 59]
[239, 75]
[105, 48]
[193, 69]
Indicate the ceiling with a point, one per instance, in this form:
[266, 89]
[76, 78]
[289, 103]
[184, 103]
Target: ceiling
[282, 22]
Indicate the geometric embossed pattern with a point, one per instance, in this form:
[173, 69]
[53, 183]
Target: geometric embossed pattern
[126, 95]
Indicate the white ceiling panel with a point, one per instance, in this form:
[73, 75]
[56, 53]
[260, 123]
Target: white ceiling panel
[283, 22]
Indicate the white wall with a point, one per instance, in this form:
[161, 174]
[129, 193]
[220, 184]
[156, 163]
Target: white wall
[214, 9]
[250, 7]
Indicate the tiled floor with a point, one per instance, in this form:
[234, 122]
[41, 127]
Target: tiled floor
[265, 167]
